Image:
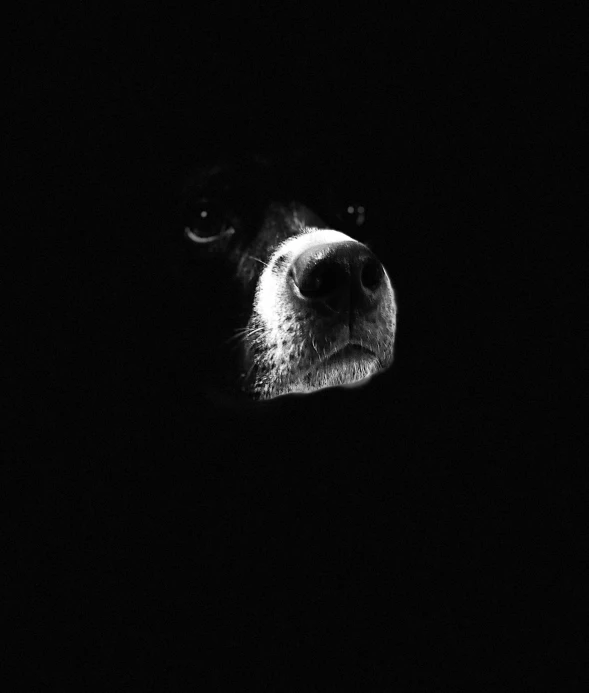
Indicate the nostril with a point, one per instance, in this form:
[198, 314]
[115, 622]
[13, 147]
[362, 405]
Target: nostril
[320, 281]
[371, 274]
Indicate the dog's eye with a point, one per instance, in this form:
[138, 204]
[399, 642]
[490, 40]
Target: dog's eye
[360, 215]
[354, 215]
[205, 219]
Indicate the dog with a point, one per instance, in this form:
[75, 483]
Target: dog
[318, 307]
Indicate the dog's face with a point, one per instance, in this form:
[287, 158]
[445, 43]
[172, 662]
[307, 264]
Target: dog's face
[319, 307]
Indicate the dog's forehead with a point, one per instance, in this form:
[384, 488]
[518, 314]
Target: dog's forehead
[254, 249]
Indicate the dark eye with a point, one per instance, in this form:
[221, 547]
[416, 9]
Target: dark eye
[355, 215]
[204, 219]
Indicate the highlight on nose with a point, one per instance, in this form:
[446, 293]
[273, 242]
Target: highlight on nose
[338, 274]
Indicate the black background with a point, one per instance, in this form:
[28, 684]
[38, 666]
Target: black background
[418, 532]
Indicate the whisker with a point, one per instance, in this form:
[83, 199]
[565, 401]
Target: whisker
[244, 332]
[257, 259]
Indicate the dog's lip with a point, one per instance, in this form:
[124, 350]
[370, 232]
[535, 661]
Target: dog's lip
[349, 350]
[343, 352]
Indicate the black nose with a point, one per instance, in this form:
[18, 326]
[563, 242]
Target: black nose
[339, 276]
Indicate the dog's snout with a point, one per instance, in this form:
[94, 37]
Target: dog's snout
[339, 276]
